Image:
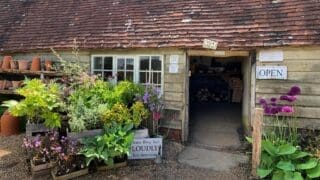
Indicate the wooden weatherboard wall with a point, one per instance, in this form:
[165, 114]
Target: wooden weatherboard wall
[303, 65]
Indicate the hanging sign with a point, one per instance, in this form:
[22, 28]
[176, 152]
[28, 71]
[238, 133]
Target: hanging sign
[271, 72]
[146, 148]
[210, 44]
[270, 55]
[174, 66]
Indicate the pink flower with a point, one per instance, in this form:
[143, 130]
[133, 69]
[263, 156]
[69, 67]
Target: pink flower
[287, 109]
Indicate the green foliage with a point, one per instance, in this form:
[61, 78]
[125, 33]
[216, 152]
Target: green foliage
[119, 113]
[41, 103]
[125, 92]
[285, 161]
[115, 142]
[139, 113]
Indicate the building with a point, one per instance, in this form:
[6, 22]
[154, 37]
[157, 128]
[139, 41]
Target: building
[132, 39]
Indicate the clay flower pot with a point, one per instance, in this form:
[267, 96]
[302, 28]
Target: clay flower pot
[36, 64]
[48, 65]
[13, 64]
[6, 62]
[2, 84]
[23, 64]
[9, 124]
[0, 63]
[16, 84]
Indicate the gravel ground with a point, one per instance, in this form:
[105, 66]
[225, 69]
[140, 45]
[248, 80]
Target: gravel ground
[13, 166]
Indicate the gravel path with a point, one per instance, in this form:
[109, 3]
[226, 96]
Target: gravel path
[13, 166]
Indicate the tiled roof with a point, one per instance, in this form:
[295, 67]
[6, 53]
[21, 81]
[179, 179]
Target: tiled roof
[99, 24]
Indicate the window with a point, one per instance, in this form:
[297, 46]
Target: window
[103, 66]
[139, 69]
[150, 70]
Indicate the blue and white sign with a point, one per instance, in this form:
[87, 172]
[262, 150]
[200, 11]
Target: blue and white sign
[271, 72]
[146, 148]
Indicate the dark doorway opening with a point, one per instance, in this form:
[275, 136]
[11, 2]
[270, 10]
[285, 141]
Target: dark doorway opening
[215, 95]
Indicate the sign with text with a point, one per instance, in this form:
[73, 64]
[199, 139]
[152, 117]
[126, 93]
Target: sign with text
[270, 55]
[271, 72]
[146, 148]
[210, 44]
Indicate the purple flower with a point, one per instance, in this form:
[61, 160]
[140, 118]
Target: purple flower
[287, 109]
[262, 101]
[145, 97]
[273, 99]
[267, 110]
[294, 91]
[288, 98]
[274, 110]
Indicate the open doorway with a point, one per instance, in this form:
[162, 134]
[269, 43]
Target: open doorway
[216, 87]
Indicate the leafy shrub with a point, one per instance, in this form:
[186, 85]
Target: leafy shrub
[41, 103]
[119, 113]
[115, 142]
[139, 113]
[125, 92]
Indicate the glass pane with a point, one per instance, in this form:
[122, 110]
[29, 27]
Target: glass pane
[98, 73]
[144, 62]
[121, 63]
[107, 75]
[143, 77]
[108, 63]
[156, 78]
[97, 63]
[129, 64]
[155, 63]
[129, 76]
[120, 76]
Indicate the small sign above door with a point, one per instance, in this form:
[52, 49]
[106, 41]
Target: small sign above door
[271, 72]
[270, 56]
[210, 44]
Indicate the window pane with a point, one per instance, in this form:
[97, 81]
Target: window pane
[98, 73]
[108, 63]
[120, 76]
[155, 63]
[97, 63]
[156, 78]
[143, 77]
[107, 75]
[129, 76]
[121, 63]
[129, 64]
[144, 62]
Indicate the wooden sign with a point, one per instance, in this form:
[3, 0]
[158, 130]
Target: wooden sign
[271, 72]
[270, 55]
[146, 148]
[210, 44]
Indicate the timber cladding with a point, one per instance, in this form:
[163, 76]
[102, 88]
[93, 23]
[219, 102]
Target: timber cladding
[303, 66]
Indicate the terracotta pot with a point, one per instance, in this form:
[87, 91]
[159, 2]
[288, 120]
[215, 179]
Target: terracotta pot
[8, 85]
[35, 64]
[2, 84]
[48, 65]
[0, 63]
[6, 62]
[13, 64]
[9, 124]
[16, 84]
[23, 64]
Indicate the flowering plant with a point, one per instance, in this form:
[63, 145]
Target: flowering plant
[42, 149]
[67, 157]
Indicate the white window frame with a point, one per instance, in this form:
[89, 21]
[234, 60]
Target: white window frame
[136, 67]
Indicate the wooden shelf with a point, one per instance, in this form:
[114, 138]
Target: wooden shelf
[28, 72]
[9, 92]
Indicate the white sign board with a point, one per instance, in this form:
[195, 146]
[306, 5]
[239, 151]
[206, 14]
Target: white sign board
[146, 148]
[174, 59]
[210, 44]
[271, 72]
[270, 55]
[173, 68]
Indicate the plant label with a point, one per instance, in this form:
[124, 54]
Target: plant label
[146, 148]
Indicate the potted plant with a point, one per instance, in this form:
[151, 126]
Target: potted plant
[139, 113]
[68, 163]
[9, 124]
[111, 149]
[41, 152]
[41, 105]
